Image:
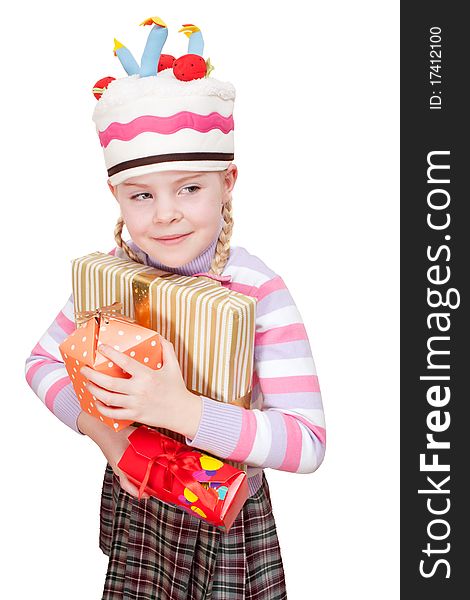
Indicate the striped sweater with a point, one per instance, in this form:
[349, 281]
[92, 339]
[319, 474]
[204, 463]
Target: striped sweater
[285, 427]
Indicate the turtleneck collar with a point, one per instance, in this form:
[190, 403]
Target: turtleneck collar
[200, 264]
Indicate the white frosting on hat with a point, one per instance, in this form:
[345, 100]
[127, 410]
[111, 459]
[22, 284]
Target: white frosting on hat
[157, 123]
[164, 85]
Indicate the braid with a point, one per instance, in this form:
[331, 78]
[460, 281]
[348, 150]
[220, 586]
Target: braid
[222, 250]
[122, 244]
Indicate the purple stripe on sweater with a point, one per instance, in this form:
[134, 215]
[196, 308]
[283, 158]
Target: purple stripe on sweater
[273, 301]
[57, 333]
[295, 349]
[70, 304]
[67, 407]
[257, 398]
[219, 428]
[296, 399]
[277, 451]
[242, 258]
[44, 371]
[30, 359]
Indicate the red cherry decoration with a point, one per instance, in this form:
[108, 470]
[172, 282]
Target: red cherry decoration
[189, 67]
[101, 85]
[166, 62]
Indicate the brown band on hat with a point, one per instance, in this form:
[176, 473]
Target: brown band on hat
[160, 158]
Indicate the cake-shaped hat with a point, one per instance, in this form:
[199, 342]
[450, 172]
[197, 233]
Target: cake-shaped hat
[167, 113]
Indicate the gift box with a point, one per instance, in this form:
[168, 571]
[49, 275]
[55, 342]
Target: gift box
[199, 483]
[106, 325]
[211, 327]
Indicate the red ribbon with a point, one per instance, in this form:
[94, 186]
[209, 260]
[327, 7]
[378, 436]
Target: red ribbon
[180, 463]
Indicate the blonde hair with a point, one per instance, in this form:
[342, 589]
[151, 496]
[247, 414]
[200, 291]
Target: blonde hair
[222, 250]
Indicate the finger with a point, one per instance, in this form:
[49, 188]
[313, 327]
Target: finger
[165, 342]
[128, 364]
[130, 488]
[110, 398]
[124, 414]
[108, 382]
[168, 351]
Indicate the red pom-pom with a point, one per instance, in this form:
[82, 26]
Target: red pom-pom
[101, 85]
[189, 67]
[166, 62]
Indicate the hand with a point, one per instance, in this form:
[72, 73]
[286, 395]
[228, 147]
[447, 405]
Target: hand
[158, 398]
[112, 444]
[113, 449]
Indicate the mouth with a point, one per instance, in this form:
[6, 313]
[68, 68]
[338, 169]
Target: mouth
[169, 239]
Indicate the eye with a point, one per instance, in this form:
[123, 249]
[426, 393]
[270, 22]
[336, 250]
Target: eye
[192, 189]
[136, 196]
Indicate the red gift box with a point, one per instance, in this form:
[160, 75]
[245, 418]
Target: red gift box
[176, 474]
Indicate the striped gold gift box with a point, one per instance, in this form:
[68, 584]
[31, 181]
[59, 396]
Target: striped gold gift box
[211, 327]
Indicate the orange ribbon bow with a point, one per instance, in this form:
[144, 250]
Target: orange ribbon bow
[110, 310]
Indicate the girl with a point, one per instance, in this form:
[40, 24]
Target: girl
[167, 137]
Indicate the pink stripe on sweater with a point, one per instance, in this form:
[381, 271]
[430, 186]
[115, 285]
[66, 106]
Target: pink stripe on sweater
[286, 385]
[270, 286]
[165, 125]
[247, 437]
[242, 288]
[294, 445]
[320, 432]
[277, 335]
[32, 370]
[39, 351]
[65, 323]
[54, 390]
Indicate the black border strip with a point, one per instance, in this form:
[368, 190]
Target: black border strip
[434, 259]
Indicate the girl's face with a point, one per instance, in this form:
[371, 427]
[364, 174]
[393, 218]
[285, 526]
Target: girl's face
[174, 203]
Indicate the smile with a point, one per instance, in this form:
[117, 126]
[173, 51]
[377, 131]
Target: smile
[171, 241]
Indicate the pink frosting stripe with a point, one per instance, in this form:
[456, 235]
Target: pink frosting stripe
[165, 125]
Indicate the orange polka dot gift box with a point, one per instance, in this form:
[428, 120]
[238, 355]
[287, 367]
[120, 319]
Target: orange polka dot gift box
[200, 484]
[106, 325]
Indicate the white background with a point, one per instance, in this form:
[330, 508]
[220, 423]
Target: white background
[317, 199]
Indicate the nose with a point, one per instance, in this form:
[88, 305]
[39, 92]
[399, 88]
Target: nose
[166, 210]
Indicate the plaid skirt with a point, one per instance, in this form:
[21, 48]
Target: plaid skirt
[159, 552]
